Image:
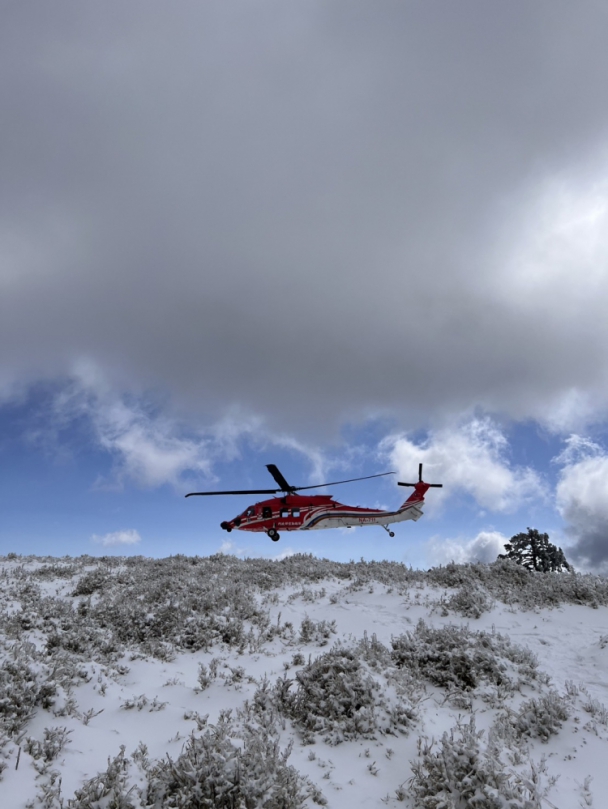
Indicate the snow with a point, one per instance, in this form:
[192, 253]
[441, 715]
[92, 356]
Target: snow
[569, 641]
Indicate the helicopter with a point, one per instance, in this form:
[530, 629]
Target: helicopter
[305, 512]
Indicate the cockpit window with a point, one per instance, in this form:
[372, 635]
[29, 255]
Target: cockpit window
[250, 512]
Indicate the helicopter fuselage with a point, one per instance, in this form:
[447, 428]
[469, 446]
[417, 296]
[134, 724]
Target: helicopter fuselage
[296, 512]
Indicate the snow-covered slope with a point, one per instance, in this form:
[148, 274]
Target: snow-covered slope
[190, 682]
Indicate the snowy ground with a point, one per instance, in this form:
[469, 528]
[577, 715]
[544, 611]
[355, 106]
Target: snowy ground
[103, 664]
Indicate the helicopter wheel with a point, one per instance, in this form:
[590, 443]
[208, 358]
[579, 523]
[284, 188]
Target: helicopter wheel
[274, 534]
[391, 533]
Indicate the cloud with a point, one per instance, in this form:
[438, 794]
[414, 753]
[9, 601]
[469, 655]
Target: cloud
[582, 500]
[469, 458]
[307, 212]
[150, 447]
[127, 537]
[485, 547]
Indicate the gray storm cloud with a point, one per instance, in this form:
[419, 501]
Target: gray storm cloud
[311, 211]
[582, 500]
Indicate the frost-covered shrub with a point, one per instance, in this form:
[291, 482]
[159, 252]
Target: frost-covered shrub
[142, 701]
[460, 775]
[596, 708]
[107, 790]
[506, 581]
[53, 742]
[54, 571]
[306, 594]
[22, 688]
[536, 718]
[204, 676]
[92, 581]
[214, 772]
[335, 696]
[542, 717]
[451, 575]
[318, 632]
[236, 677]
[471, 602]
[453, 657]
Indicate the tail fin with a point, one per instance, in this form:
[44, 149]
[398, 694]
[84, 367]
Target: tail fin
[417, 496]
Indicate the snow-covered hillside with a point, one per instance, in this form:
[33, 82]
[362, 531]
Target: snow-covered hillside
[218, 682]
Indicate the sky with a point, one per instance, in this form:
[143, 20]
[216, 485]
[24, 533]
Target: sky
[340, 237]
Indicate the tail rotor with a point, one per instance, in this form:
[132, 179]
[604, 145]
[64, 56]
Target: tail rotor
[420, 481]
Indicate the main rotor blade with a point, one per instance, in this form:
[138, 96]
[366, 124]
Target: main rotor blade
[274, 471]
[430, 485]
[244, 491]
[336, 482]
[285, 487]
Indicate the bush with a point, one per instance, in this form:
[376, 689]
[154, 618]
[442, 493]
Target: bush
[335, 696]
[108, 789]
[469, 601]
[50, 747]
[460, 775]
[21, 690]
[318, 632]
[453, 657]
[213, 772]
[541, 717]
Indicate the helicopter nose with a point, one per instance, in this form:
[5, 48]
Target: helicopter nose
[226, 526]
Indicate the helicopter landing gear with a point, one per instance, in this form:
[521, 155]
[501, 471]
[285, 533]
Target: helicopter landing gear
[274, 534]
[390, 533]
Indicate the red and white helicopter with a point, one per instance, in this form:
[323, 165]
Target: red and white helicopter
[306, 512]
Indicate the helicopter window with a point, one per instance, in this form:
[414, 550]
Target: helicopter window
[250, 512]
[284, 512]
[295, 512]
[266, 512]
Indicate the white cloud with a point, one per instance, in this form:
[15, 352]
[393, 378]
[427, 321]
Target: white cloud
[485, 547]
[577, 448]
[149, 446]
[127, 537]
[150, 452]
[469, 458]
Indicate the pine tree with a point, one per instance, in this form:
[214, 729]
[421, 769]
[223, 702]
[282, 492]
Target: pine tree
[534, 552]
